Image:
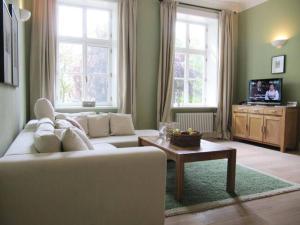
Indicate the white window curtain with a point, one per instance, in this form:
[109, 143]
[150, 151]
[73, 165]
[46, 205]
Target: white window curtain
[226, 74]
[127, 57]
[167, 51]
[43, 51]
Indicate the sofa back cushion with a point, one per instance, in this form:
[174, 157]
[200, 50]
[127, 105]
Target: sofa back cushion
[82, 120]
[44, 109]
[121, 124]
[98, 125]
[63, 116]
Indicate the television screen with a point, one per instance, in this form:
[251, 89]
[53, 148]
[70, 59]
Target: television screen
[266, 90]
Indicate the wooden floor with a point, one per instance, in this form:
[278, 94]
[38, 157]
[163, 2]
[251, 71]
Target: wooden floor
[278, 210]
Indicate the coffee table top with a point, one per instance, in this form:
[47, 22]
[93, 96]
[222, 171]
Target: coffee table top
[205, 147]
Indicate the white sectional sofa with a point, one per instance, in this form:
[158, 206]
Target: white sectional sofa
[105, 186]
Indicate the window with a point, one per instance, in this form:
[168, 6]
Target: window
[87, 53]
[196, 59]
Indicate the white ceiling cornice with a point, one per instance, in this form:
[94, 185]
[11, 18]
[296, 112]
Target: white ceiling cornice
[247, 4]
[234, 5]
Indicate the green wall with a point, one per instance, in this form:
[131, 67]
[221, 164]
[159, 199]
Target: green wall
[257, 28]
[148, 41]
[13, 100]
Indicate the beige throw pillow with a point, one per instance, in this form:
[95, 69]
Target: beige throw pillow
[75, 123]
[98, 125]
[71, 141]
[121, 124]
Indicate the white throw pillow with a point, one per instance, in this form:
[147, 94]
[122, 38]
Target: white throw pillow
[121, 124]
[46, 127]
[60, 133]
[63, 124]
[32, 125]
[45, 120]
[98, 125]
[43, 108]
[83, 136]
[75, 123]
[71, 141]
[45, 140]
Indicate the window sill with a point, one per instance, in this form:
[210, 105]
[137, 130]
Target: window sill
[85, 108]
[195, 108]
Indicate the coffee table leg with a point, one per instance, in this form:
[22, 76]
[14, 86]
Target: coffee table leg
[231, 168]
[179, 179]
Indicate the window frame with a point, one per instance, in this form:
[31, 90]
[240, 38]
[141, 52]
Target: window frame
[85, 42]
[187, 51]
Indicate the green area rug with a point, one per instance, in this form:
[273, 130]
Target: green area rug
[205, 186]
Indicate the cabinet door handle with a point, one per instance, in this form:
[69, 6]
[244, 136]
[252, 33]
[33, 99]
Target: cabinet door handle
[273, 111]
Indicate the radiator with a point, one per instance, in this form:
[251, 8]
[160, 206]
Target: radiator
[202, 122]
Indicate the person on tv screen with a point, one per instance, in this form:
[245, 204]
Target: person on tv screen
[272, 93]
[258, 92]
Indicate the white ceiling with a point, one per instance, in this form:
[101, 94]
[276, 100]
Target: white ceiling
[235, 5]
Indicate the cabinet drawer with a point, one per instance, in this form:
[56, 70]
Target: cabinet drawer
[257, 110]
[240, 109]
[273, 111]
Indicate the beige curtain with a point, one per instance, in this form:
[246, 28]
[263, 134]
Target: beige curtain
[226, 74]
[43, 51]
[127, 57]
[167, 50]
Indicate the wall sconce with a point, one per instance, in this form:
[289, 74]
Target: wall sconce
[24, 15]
[279, 43]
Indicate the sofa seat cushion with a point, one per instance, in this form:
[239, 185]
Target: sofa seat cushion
[124, 141]
[23, 144]
[104, 147]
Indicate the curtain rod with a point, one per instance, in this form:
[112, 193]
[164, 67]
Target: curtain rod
[197, 6]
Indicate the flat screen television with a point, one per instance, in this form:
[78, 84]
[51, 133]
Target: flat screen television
[265, 91]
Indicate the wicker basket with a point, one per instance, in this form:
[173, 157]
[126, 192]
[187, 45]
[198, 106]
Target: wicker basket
[186, 140]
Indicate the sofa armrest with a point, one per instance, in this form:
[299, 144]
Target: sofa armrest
[125, 186]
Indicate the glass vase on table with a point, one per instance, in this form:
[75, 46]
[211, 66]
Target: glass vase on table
[166, 129]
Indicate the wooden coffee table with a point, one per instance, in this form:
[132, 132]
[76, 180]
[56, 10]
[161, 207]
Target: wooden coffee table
[206, 151]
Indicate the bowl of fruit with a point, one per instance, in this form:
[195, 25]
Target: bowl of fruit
[189, 138]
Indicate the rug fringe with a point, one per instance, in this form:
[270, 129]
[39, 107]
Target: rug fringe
[231, 201]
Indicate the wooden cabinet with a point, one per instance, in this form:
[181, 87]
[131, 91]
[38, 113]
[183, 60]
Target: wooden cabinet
[255, 124]
[272, 130]
[240, 125]
[276, 126]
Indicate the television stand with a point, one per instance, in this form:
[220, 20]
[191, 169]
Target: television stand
[270, 125]
[263, 104]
